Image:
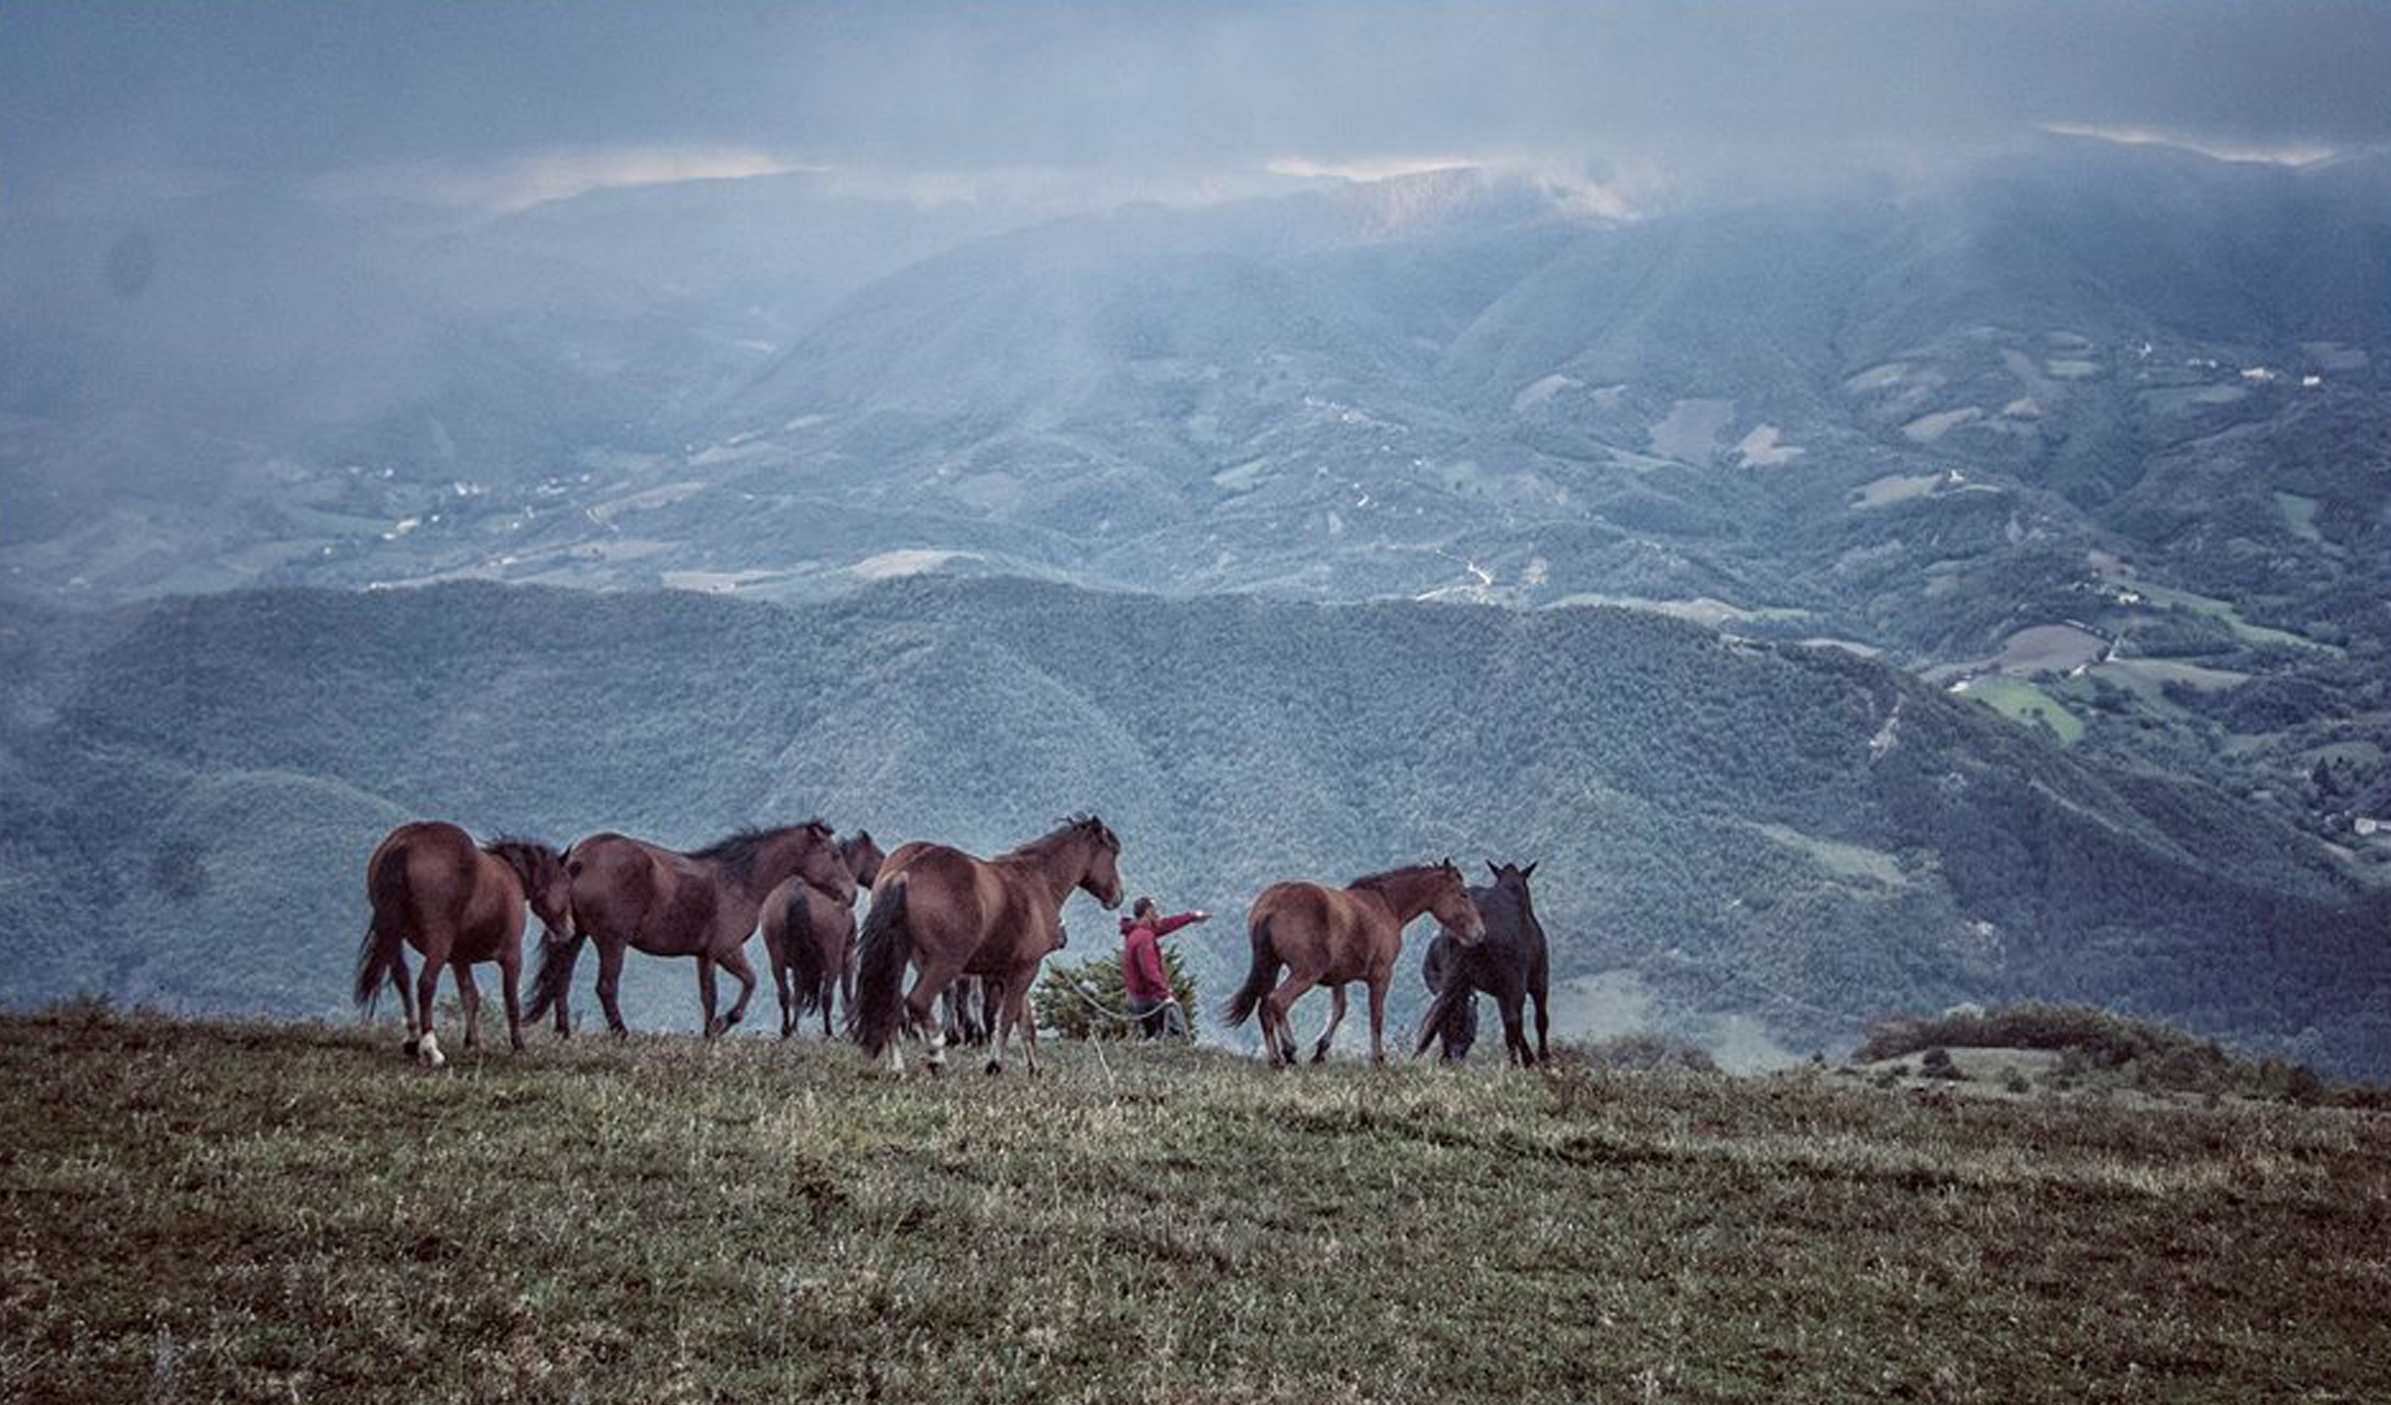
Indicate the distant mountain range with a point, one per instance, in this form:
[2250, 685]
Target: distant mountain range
[1764, 845]
[2099, 434]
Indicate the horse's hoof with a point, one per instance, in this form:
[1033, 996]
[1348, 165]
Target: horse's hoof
[410, 1047]
[994, 1068]
[432, 1057]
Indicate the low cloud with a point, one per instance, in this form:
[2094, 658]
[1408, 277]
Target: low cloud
[518, 180]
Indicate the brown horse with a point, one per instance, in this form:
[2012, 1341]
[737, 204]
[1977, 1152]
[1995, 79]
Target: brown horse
[949, 914]
[809, 937]
[431, 888]
[630, 893]
[1331, 936]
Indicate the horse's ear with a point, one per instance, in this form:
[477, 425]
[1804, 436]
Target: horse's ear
[1494, 868]
[1529, 871]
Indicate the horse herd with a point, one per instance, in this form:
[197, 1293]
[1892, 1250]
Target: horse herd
[944, 914]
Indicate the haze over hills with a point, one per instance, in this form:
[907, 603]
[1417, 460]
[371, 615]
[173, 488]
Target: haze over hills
[2097, 432]
[1762, 845]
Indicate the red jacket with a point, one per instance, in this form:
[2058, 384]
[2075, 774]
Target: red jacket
[1142, 971]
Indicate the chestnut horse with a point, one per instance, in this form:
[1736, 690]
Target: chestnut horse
[431, 888]
[809, 937]
[1512, 964]
[1332, 936]
[949, 914]
[630, 893]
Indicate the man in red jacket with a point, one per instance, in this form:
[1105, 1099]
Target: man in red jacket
[1144, 978]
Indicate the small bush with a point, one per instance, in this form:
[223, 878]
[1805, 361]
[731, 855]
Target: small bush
[1936, 1063]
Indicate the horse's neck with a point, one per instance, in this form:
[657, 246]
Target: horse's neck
[766, 871]
[1406, 895]
[1057, 869]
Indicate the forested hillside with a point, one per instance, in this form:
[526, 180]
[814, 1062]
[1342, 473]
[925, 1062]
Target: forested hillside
[1792, 835]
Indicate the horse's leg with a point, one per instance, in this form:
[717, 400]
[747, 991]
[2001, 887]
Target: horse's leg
[838, 977]
[1017, 1013]
[1276, 1007]
[510, 989]
[610, 983]
[427, 985]
[1000, 1027]
[705, 992]
[1509, 1000]
[406, 995]
[1378, 1021]
[1328, 1032]
[735, 961]
[782, 988]
[847, 969]
[469, 995]
[1539, 989]
[930, 978]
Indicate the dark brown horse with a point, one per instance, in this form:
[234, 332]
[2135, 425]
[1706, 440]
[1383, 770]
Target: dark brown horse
[433, 889]
[1332, 936]
[948, 914]
[630, 893]
[1512, 964]
[809, 937]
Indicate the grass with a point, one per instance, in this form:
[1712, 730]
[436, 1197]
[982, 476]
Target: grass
[2027, 705]
[231, 1211]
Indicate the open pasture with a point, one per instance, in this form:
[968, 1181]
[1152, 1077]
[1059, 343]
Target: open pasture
[250, 1211]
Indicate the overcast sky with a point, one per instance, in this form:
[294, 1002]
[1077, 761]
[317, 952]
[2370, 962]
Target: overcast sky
[497, 104]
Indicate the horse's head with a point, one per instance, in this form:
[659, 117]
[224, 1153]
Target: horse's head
[1450, 902]
[547, 883]
[1511, 878]
[1101, 878]
[862, 856]
[821, 862]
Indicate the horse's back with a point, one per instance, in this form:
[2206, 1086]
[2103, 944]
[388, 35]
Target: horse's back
[421, 871]
[616, 884]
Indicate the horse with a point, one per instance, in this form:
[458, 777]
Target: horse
[1511, 964]
[433, 889]
[809, 937]
[1333, 936]
[948, 914]
[630, 893]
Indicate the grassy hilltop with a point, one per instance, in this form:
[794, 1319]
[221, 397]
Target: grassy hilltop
[248, 1211]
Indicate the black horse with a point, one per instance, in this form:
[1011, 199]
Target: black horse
[1511, 965]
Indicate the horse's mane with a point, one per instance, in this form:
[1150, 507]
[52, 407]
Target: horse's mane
[1082, 824]
[532, 860]
[737, 852]
[1385, 876]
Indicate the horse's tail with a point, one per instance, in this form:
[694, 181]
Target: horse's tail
[807, 970]
[1258, 977]
[1445, 1014]
[887, 945]
[555, 974]
[378, 954]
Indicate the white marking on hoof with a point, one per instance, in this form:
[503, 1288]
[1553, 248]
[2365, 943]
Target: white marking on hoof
[431, 1051]
[937, 1055]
